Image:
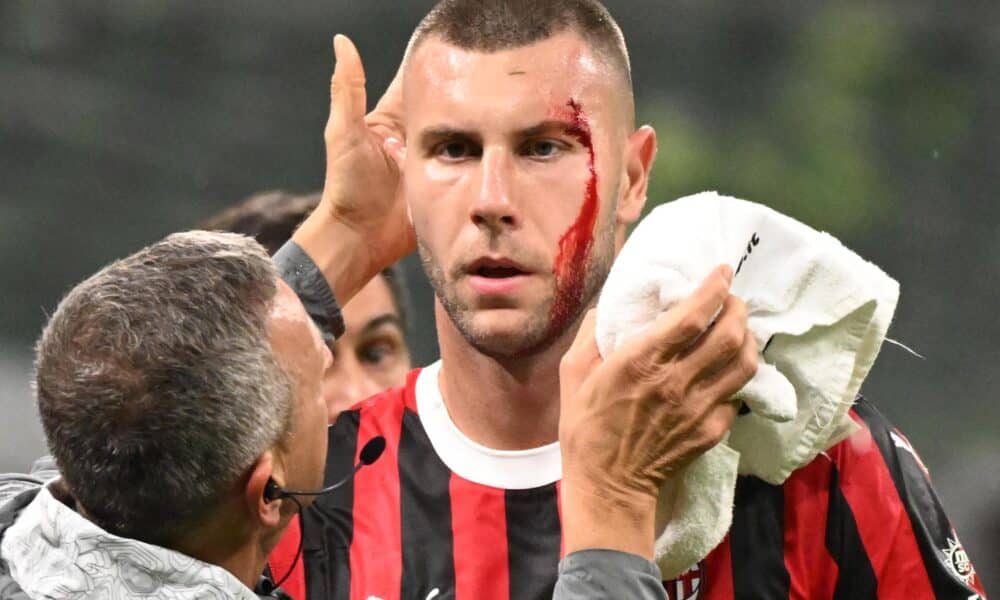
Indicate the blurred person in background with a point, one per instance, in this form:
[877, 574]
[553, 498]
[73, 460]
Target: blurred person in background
[372, 354]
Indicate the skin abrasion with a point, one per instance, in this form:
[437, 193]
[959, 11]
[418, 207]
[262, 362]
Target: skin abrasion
[570, 267]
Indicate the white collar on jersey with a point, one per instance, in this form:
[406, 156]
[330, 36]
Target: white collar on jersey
[504, 469]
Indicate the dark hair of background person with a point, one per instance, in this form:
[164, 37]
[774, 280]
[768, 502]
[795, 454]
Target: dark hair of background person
[272, 217]
[157, 386]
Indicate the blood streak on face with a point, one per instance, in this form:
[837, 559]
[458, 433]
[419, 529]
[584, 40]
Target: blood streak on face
[570, 266]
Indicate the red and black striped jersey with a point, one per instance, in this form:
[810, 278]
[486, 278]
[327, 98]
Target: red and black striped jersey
[439, 516]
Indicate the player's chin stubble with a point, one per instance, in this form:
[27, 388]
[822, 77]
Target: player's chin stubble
[539, 331]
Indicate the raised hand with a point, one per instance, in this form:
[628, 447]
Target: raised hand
[362, 183]
[362, 205]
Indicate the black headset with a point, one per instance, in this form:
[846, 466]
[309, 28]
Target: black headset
[272, 491]
[369, 454]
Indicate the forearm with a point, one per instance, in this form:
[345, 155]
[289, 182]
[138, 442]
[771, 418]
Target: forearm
[340, 253]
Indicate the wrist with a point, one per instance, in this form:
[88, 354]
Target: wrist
[598, 516]
[341, 253]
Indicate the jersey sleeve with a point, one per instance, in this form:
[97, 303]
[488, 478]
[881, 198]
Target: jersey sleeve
[307, 281]
[905, 543]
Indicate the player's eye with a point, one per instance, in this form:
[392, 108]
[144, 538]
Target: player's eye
[542, 148]
[456, 150]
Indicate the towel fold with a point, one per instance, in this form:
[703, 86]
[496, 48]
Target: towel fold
[818, 311]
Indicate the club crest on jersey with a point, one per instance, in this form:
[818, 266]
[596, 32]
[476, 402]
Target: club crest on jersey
[958, 561]
[687, 586]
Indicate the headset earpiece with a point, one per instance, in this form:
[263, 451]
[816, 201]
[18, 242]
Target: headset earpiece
[272, 491]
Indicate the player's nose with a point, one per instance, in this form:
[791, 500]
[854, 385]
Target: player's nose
[492, 207]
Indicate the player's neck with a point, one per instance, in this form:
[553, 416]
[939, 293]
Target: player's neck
[504, 404]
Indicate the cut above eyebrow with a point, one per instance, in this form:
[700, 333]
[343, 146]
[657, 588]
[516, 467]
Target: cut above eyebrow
[547, 126]
[383, 319]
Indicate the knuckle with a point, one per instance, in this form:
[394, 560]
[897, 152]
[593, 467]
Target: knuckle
[739, 308]
[748, 367]
[642, 371]
[731, 339]
[691, 325]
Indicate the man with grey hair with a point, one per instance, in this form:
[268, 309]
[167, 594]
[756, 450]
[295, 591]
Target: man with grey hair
[173, 386]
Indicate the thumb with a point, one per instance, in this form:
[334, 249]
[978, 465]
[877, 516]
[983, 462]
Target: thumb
[347, 89]
[583, 356]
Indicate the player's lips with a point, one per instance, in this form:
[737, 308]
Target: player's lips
[496, 275]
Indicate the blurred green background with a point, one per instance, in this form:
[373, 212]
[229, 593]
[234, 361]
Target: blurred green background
[879, 122]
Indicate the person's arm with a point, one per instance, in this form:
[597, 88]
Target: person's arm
[628, 422]
[360, 226]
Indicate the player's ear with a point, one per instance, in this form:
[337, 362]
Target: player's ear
[640, 152]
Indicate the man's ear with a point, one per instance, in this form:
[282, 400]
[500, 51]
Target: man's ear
[640, 152]
[267, 513]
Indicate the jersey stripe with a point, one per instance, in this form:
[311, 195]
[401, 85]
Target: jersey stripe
[717, 573]
[882, 520]
[923, 507]
[756, 539]
[855, 575]
[327, 524]
[533, 528]
[425, 514]
[479, 529]
[812, 571]
[376, 552]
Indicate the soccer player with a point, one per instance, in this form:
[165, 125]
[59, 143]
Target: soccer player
[510, 132]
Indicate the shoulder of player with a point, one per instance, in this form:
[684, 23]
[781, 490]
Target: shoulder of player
[392, 400]
[876, 438]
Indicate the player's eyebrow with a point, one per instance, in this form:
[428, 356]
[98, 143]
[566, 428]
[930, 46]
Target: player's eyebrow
[432, 135]
[547, 126]
[435, 134]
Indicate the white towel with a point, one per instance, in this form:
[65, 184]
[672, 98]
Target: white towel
[818, 311]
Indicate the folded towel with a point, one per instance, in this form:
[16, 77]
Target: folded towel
[818, 311]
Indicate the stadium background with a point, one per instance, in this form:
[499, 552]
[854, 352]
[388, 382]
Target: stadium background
[879, 122]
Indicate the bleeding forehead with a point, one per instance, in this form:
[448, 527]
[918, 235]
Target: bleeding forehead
[525, 83]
